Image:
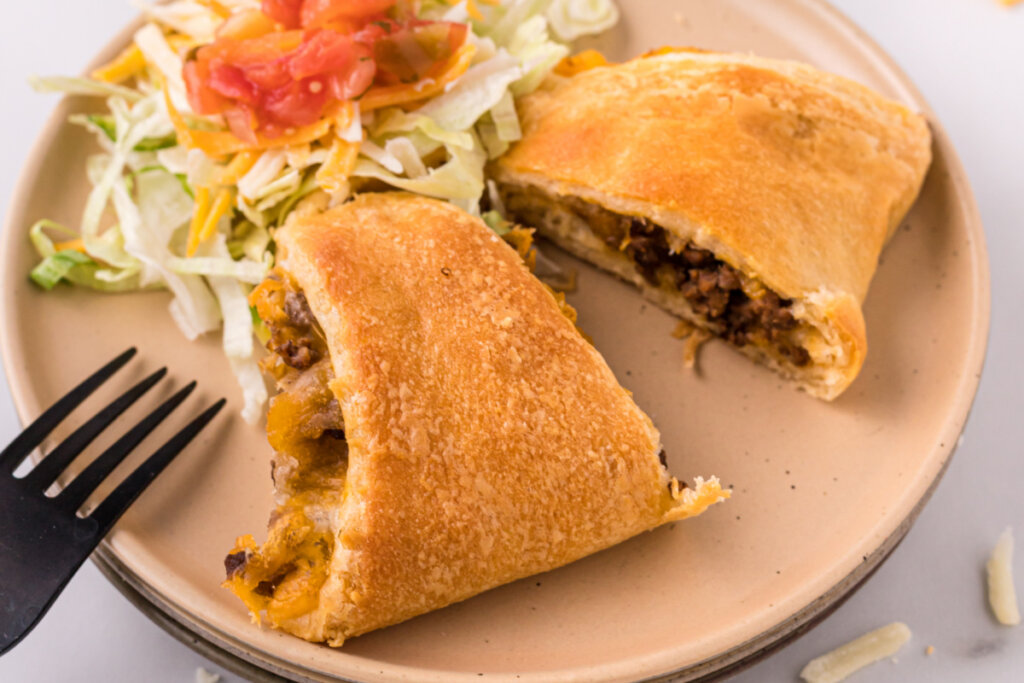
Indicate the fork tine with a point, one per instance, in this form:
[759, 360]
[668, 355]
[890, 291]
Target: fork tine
[17, 450]
[82, 486]
[114, 505]
[47, 471]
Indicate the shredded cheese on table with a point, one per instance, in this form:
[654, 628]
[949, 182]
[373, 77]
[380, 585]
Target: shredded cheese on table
[1002, 595]
[836, 665]
[204, 676]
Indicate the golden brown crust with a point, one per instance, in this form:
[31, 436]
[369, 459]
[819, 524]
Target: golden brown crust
[487, 440]
[791, 175]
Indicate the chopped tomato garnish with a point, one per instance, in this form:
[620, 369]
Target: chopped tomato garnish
[406, 53]
[285, 12]
[313, 13]
[280, 68]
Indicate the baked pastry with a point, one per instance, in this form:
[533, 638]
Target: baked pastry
[442, 427]
[750, 196]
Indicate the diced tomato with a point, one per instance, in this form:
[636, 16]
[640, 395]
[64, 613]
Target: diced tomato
[316, 13]
[322, 12]
[287, 12]
[356, 82]
[407, 53]
[243, 122]
[322, 51]
[262, 77]
[296, 104]
[202, 99]
[230, 81]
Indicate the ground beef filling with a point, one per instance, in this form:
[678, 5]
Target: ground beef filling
[713, 288]
[304, 424]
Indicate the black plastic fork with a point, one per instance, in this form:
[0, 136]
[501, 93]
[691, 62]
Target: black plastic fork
[43, 540]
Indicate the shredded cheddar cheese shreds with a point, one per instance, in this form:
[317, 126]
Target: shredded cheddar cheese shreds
[202, 207]
[221, 205]
[241, 164]
[1002, 594]
[871, 647]
[70, 245]
[333, 174]
[703, 494]
[393, 95]
[180, 43]
[473, 10]
[127, 64]
[215, 7]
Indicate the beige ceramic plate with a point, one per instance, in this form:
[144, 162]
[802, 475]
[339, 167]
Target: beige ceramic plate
[822, 491]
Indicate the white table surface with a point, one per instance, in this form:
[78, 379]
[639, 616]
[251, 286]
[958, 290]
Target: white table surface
[967, 57]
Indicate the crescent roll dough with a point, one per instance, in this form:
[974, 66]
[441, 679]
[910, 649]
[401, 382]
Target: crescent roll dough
[442, 427]
[750, 196]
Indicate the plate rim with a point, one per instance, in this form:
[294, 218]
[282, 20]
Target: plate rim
[724, 663]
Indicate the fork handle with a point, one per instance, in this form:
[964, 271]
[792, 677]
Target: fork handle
[34, 569]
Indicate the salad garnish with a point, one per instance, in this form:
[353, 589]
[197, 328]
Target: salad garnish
[222, 115]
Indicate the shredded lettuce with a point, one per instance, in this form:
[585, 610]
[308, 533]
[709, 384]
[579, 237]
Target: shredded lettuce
[496, 222]
[372, 150]
[232, 297]
[194, 309]
[56, 267]
[280, 190]
[107, 126]
[506, 122]
[475, 92]
[82, 86]
[307, 187]
[403, 149]
[270, 164]
[507, 18]
[151, 41]
[461, 177]
[572, 19]
[530, 43]
[488, 132]
[184, 16]
[243, 270]
[73, 266]
[394, 120]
